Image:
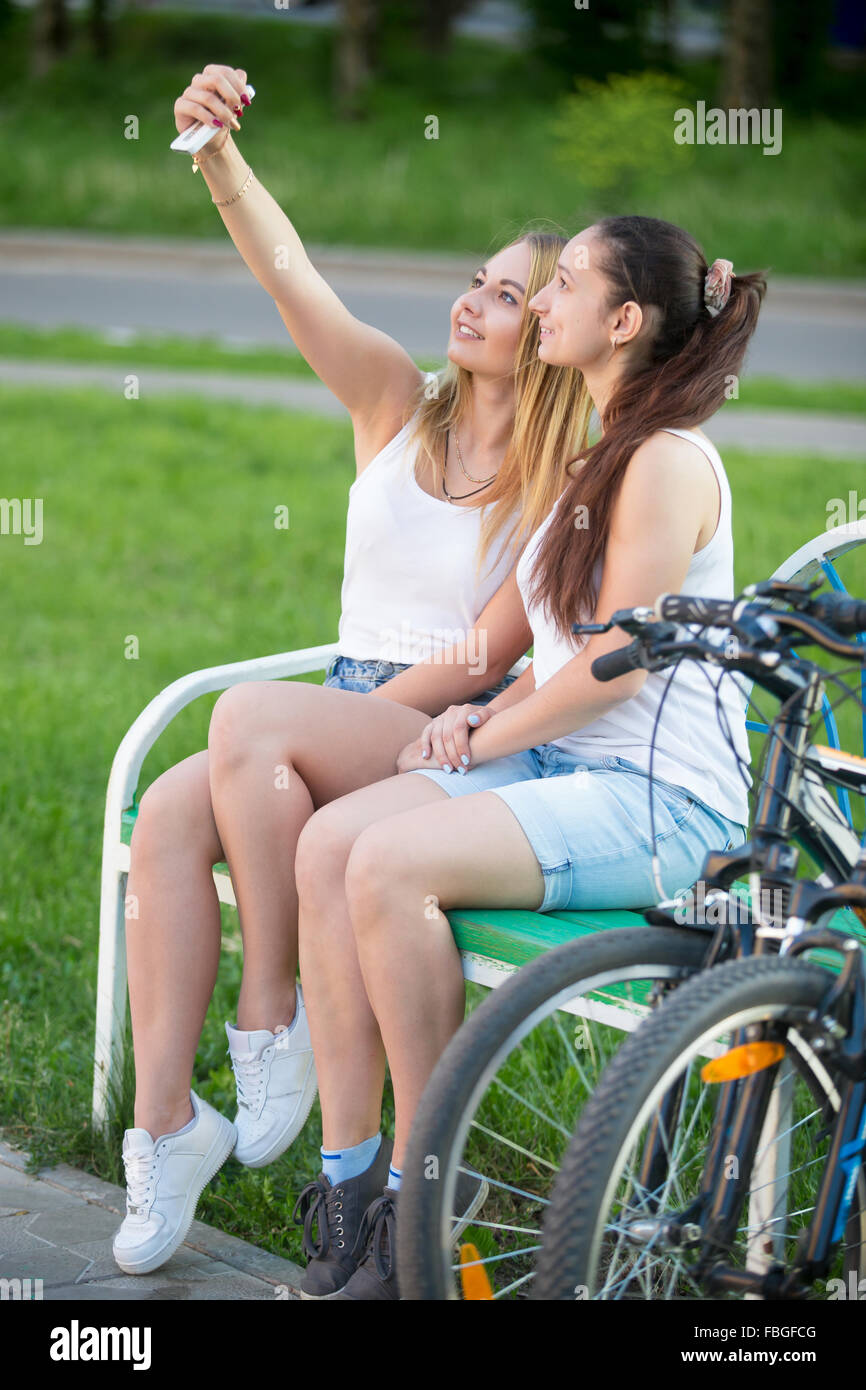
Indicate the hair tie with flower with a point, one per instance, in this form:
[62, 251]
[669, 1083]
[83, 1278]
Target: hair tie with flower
[717, 285]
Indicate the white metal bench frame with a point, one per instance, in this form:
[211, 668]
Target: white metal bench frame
[802, 565]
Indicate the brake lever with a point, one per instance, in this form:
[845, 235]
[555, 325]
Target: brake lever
[778, 588]
[632, 620]
[820, 635]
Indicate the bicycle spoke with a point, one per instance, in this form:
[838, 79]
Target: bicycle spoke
[518, 1148]
[502, 1226]
[784, 1133]
[554, 1124]
[493, 1259]
[507, 1187]
[516, 1285]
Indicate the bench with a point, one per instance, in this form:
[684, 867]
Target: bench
[492, 943]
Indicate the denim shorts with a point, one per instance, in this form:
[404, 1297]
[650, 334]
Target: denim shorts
[348, 673]
[588, 822]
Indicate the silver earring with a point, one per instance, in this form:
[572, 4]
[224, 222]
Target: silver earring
[615, 344]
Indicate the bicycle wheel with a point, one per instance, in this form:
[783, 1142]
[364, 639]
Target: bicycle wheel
[609, 1233]
[505, 1094]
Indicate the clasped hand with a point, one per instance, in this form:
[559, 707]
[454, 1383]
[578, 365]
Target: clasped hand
[444, 742]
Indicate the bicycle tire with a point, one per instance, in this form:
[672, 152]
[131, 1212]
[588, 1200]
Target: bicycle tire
[641, 1072]
[457, 1084]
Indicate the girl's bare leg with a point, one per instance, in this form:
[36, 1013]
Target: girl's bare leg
[403, 874]
[350, 1058]
[278, 751]
[172, 939]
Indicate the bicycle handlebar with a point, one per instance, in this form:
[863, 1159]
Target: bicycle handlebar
[614, 664]
[846, 615]
[819, 619]
[709, 612]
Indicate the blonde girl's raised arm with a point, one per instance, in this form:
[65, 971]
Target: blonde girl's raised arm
[367, 370]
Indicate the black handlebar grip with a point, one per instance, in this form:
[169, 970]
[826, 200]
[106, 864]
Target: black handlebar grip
[686, 608]
[843, 614]
[613, 664]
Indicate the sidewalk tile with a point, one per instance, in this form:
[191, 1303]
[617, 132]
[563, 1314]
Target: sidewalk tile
[50, 1264]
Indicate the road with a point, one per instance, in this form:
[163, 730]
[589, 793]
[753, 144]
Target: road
[809, 330]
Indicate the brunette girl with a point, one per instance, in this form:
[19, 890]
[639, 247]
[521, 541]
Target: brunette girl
[552, 812]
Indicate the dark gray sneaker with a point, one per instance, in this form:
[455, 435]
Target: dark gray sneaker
[375, 1279]
[331, 1217]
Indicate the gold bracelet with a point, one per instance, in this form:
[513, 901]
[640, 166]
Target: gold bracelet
[224, 202]
[197, 159]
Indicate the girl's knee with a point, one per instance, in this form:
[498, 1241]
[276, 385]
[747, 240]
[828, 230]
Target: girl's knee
[234, 718]
[370, 868]
[321, 853]
[251, 722]
[175, 810]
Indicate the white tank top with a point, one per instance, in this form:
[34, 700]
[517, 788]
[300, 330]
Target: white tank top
[690, 748]
[409, 587]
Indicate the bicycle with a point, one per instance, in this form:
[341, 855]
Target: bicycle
[777, 1208]
[477, 1090]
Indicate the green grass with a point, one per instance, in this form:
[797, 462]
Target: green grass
[158, 523]
[162, 528]
[771, 393]
[71, 344]
[379, 181]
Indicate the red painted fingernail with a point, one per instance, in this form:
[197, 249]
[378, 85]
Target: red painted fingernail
[216, 122]
[245, 99]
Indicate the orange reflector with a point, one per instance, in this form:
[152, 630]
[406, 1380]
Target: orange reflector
[742, 1061]
[473, 1276]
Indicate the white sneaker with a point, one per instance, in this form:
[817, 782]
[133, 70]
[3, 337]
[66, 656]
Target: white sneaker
[164, 1180]
[276, 1085]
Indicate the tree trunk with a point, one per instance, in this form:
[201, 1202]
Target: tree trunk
[50, 35]
[353, 66]
[748, 68]
[100, 29]
[438, 23]
[668, 13]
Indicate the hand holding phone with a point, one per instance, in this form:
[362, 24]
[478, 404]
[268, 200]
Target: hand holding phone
[217, 94]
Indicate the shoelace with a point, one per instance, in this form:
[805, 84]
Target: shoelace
[140, 1169]
[249, 1076]
[377, 1235]
[318, 1205]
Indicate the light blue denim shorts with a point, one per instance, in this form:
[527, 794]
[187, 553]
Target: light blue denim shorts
[348, 673]
[588, 822]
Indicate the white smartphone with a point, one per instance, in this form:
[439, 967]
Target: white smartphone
[191, 140]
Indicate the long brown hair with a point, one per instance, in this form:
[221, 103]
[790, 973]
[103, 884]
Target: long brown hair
[688, 360]
[551, 416]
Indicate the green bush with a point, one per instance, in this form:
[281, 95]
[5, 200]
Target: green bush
[619, 134]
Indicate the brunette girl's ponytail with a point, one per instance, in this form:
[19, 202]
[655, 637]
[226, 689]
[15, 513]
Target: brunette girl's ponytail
[691, 356]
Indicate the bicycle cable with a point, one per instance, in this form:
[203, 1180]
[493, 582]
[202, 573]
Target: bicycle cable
[758, 779]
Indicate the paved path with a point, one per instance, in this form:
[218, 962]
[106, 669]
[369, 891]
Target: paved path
[809, 330]
[769, 431]
[58, 1225]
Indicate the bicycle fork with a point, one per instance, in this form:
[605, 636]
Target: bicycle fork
[741, 1121]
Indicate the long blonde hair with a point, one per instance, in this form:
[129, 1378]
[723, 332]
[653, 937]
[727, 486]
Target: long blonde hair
[551, 416]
